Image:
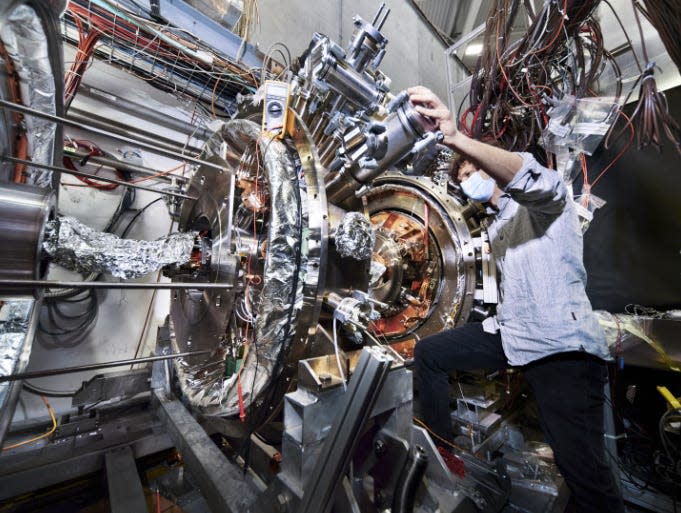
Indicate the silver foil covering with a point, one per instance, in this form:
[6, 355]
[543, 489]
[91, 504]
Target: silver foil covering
[24, 38]
[355, 237]
[15, 315]
[79, 248]
[281, 297]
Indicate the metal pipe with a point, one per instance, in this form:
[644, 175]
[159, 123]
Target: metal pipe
[95, 177]
[114, 127]
[230, 210]
[127, 106]
[54, 284]
[123, 165]
[150, 147]
[97, 366]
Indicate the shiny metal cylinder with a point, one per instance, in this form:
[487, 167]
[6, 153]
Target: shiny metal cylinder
[403, 129]
[24, 210]
[356, 87]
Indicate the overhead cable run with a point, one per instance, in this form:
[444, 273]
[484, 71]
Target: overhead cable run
[168, 57]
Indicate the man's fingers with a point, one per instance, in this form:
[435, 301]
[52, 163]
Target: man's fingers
[439, 114]
[418, 90]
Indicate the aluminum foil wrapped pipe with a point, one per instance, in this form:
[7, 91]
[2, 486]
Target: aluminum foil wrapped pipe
[17, 319]
[23, 34]
[77, 247]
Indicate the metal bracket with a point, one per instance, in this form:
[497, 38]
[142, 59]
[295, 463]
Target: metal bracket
[102, 387]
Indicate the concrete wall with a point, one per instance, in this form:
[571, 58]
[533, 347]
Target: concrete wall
[414, 55]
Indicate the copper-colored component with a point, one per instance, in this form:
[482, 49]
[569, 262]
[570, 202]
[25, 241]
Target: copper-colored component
[21, 148]
[417, 293]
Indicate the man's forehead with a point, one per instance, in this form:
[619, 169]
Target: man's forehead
[467, 167]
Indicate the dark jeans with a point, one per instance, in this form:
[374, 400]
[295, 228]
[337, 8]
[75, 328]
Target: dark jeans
[568, 388]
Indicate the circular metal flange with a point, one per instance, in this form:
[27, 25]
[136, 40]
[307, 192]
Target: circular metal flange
[403, 209]
[277, 270]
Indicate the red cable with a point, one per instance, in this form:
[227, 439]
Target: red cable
[239, 391]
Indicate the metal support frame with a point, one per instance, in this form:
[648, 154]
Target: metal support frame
[81, 451]
[122, 384]
[365, 386]
[223, 484]
[125, 489]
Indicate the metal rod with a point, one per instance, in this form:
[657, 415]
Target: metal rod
[53, 284]
[123, 165]
[378, 13]
[95, 177]
[230, 207]
[127, 106]
[78, 116]
[154, 149]
[385, 17]
[96, 366]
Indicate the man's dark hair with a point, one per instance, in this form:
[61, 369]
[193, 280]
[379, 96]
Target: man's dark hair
[461, 158]
[456, 165]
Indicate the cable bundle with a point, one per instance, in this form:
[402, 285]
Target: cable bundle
[652, 115]
[167, 56]
[561, 53]
[84, 54]
[665, 16]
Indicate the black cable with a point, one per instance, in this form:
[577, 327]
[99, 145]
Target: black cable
[58, 328]
[137, 215]
[33, 389]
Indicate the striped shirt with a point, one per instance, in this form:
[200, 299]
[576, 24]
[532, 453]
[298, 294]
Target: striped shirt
[536, 240]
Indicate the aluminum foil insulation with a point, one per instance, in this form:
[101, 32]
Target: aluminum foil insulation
[355, 237]
[281, 297]
[26, 43]
[79, 248]
[15, 315]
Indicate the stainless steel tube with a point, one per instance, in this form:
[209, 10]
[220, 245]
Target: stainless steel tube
[24, 210]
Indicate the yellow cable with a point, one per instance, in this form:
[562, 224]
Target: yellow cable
[669, 397]
[39, 437]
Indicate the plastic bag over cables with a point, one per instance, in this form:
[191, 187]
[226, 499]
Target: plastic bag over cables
[14, 324]
[625, 333]
[355, 237]
[24, 38]
[79, 248]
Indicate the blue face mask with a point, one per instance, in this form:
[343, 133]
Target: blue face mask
[478, 188]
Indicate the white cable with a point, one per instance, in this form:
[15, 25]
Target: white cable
[335, 347]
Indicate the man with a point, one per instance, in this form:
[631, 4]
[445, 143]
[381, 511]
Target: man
[545, 322]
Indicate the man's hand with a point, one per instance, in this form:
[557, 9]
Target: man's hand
[427, 103]
[500, 164]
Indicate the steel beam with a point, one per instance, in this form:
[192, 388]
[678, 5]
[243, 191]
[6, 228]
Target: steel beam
[339, 446]
[223, 484]
[125, 489]
[30, 468]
